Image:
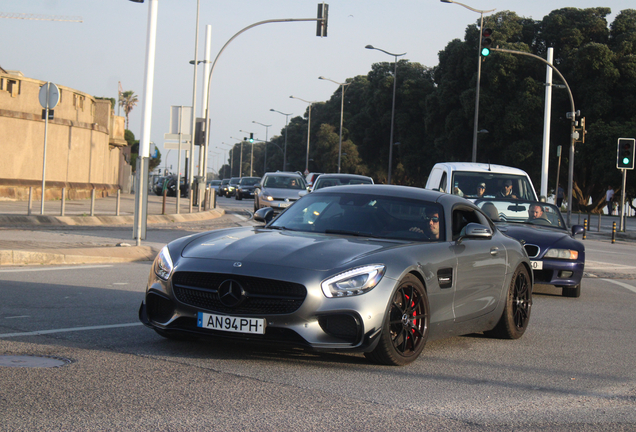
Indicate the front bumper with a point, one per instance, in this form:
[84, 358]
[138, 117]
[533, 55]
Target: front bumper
[560, 273]
[320, 323]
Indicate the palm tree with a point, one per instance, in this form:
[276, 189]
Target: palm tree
[128, 100]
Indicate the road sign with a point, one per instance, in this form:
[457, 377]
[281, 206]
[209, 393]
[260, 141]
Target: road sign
[49, 95]
[174, 146]
[175, 136]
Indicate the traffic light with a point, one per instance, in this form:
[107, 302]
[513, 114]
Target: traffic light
[321, 24]
[486, 41]
[625, 153]
[251, 137]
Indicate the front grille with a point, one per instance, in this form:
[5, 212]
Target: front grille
[285, 199]
[532, 250]
[262, 296]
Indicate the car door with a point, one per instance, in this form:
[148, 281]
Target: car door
[481, 266]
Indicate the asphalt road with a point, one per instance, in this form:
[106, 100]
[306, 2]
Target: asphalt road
[572, 370]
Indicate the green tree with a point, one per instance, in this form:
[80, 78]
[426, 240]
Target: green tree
[128, 100]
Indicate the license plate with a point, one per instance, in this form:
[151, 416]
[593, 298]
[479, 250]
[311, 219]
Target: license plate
[537, 265]
[230, 323]
[284, 205]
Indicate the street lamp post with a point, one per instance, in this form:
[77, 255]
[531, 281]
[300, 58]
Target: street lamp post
[286, 123]
[342, 85]
[392, 107]
[481, 25]
[266, 138]
[311, 103]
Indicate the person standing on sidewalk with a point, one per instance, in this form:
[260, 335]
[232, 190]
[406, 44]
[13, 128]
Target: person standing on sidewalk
[609, 197]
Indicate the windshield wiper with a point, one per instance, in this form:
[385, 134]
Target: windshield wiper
[353, 233]
[282, 228]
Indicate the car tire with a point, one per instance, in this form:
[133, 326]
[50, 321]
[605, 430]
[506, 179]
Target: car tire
[574, 291]
[516, 313]
[238, 196]
[406, 325]
[255, 204]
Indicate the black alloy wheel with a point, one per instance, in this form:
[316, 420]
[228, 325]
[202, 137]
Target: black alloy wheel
[516, 314]
[406, 325]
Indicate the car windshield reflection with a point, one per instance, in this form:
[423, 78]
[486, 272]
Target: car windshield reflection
[364, 216]
[525, 212]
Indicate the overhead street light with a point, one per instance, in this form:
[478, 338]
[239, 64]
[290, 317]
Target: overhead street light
[286, 123]
[392, 106]
[266, 140]
[342, 85]
[311, 103]
[479, 55]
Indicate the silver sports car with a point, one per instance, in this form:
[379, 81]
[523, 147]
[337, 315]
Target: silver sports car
[377, 269]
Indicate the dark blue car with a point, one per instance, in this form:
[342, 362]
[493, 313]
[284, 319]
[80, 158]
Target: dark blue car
[557, 257]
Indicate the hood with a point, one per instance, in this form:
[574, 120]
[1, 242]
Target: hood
[281, 194]
[534, 234]
[282, 248]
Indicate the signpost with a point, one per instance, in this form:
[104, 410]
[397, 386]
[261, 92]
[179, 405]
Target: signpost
[624, 162]
[49, 97]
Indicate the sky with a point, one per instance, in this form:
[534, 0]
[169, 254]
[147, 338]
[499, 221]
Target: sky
[258, 71]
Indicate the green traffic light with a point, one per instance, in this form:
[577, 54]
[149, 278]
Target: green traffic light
[485, 52]
[625, 161]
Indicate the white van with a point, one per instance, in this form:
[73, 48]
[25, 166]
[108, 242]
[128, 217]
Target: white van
[466, 179]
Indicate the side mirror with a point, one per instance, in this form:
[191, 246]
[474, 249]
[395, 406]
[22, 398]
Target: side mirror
[265, 215]
[577, 229]
[475, 231]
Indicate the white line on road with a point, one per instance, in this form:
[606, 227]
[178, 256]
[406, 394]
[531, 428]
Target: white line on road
[30, 269]
[621, 284]
[73, 329]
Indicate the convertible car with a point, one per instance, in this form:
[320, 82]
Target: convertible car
[557, 257]
[378, 269]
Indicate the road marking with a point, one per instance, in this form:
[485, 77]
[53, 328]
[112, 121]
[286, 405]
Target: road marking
[53, 268]
[621, 284]
[66, 330]
[606, 266]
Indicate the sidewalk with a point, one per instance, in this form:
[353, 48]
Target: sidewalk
[101, 238]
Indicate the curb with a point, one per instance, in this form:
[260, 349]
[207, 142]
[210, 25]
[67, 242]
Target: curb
[43, 220]
[114, 254]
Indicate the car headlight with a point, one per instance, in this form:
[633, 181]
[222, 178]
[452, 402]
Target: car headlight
[269, 198]
[163, 264]
[562, 254]
[353, 282]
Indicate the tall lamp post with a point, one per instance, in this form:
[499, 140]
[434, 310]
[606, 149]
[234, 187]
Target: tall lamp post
[481, 25]
[286, 123]
[342, 85]
[392, 106]
[266, 138]
[311, 103]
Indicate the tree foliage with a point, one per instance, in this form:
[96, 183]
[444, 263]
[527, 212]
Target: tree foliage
[128, 100]
[435, 107]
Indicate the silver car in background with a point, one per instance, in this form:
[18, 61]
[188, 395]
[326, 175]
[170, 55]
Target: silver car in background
[279, 190]
[350, 268]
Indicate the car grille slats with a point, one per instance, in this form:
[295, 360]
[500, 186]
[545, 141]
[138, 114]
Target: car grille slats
[261, 296]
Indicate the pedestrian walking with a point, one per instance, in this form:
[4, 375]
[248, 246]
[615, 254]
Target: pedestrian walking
[609, 197]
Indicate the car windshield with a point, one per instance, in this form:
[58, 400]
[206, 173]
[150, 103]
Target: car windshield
[249, 181]
[235, 180]
[477, 185]
[284, 182]
[524, 212]
[375, 216]
[324, 182]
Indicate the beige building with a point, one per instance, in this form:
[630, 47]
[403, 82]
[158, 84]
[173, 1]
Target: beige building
[85, 142]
